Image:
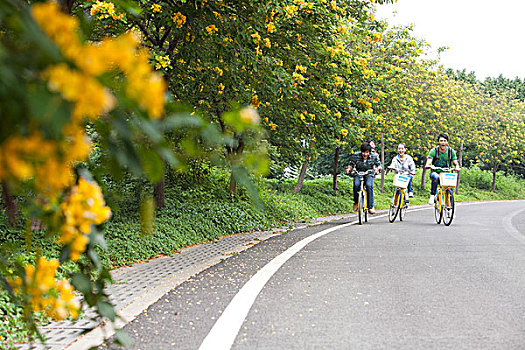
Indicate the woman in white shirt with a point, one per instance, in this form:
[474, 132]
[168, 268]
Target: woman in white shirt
[404, 164]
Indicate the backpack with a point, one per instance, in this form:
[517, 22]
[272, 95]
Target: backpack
[436, 155]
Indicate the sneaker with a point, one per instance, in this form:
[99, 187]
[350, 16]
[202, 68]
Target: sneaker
[431, 200]
[410, 194]
[356, 205]
[372, 211]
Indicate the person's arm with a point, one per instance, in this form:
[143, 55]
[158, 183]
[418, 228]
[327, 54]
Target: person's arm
[377, 164]
[455, 160]
[351, 164]
[392, 164]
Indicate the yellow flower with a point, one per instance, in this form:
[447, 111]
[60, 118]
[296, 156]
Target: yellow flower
[211, 29]
[53, 298]
[255, 101]
[219, 71]
[156, 8]
[270, 28]
[179, 19]
[344, 132]
[256, 37]
[84, 207]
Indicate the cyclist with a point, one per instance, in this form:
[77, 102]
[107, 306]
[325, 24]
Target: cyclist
[363, 161]
[440, 156]
[404, 164]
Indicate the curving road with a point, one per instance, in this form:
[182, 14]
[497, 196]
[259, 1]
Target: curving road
[407, 285]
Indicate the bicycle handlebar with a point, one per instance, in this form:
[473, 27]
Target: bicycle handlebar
[444, 169]
[398, 172]
[364, 173]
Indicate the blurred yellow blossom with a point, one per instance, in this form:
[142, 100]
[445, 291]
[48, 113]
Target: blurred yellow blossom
[53, 298]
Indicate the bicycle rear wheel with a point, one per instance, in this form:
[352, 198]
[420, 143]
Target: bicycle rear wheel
[394, 208]
[449, 208]
[438, 213]
[360, 208]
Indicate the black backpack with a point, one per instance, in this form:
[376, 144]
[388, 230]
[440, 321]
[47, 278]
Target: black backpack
[436, 155]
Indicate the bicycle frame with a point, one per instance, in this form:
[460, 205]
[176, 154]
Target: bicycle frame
[363, 197]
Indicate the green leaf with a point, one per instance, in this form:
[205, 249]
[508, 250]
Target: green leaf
[152, 164]
[123, 338]
[105, 309]
[81, 283]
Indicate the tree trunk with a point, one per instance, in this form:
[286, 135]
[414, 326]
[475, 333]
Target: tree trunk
[300, 180]
[10, 204]
[67, 6]
[423, 177]
[336, 162]
[237, 152]
[159, 193]
[382, 162]
[494, 171]
[460, 165]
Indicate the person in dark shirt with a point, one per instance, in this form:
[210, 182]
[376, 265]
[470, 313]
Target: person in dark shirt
[363, 161]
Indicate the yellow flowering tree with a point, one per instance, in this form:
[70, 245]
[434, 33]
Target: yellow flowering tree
[55, 87]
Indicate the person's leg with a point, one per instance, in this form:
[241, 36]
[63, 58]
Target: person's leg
[410, 189]
[434, 177]
[369, 183]
[357, 187]
[435, 182]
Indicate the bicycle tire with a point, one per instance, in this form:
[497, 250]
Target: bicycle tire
[448, 211]
[365, 207]
[360, 209]
[394, 208]
[402, 206]
[438, 213]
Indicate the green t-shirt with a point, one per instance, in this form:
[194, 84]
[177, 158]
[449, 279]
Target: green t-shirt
[442, 160]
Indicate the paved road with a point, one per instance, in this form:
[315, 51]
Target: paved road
[407, 285]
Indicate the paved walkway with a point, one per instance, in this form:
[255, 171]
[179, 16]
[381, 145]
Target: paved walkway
[140, 285]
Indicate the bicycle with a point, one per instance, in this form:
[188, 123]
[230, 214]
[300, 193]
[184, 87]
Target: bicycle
[362, 211]
[399, 201]
[444, 204]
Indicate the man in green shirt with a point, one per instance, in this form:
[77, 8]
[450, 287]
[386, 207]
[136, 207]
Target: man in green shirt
[440, 156]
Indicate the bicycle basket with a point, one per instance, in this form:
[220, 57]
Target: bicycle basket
[401, 180]
[448, 179]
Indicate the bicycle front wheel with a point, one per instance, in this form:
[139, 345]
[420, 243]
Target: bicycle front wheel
[449, 208]
[403, 206]
[365, 206]
[360, 209]
[438, 212]
[394, 207]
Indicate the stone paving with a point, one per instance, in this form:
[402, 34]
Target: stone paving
[138, 281]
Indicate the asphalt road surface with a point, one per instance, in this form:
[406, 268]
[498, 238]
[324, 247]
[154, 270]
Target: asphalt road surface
[407, 285]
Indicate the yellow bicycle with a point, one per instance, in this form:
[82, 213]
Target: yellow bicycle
[399, 201]
[362, 211]
[444, 204]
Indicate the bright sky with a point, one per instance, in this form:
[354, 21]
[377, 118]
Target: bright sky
[484, 36]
